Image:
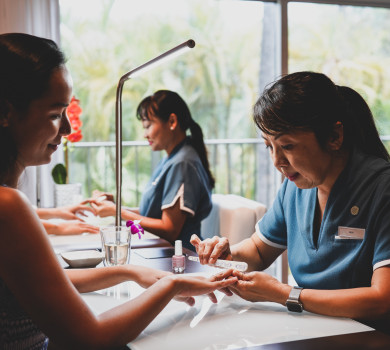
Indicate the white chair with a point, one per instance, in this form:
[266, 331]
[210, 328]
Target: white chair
[233, 217]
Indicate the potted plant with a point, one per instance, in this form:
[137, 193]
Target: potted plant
[66, 193]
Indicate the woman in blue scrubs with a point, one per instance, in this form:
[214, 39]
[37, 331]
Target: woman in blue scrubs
[178, 195]
[331, 213]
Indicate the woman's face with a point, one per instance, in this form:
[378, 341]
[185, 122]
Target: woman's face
[39, 130]
[157, 133]
[299, 157]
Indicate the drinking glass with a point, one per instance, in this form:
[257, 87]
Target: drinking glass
[116, 243]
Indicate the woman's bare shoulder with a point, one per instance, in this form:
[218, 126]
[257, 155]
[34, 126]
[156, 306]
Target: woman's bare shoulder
[12, 202]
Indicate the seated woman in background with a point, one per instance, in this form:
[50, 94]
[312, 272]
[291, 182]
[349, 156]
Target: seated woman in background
[178, 195]
[331, 213]
[39, 299]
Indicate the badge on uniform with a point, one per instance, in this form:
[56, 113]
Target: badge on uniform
[350, 233]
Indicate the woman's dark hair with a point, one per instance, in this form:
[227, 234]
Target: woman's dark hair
[26, 65]
[361, 117]
[312, 102]
[162, 104]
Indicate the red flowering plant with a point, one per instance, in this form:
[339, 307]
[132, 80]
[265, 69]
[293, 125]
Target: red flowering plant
[60, 172]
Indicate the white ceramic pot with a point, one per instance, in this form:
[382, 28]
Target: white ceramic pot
[67, 194]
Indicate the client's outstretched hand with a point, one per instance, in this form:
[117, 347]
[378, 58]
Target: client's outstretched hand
[190, 286]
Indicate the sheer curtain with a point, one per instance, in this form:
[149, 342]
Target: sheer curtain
[41, 18]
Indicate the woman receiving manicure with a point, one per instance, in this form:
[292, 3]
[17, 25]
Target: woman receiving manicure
[39, 301]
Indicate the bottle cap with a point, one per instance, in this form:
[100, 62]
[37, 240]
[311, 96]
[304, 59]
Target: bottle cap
[178, 248]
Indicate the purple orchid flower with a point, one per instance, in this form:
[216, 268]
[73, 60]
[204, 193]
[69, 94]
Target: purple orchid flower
[135, 227]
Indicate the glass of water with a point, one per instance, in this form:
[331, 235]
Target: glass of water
[116, 243]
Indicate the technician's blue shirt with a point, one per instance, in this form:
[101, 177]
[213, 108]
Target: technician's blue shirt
[180, 176]
[360, 198]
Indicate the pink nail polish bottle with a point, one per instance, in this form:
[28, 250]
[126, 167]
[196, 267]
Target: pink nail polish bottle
[178, 260]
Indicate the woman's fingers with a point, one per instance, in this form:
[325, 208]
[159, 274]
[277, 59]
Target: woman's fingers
[212, 297]
[209, 250]
[222, 275]
[225, 279]
[188, 300]
[226, 291]
[195, 240]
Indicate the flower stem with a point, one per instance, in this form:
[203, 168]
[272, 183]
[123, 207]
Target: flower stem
[66, 156]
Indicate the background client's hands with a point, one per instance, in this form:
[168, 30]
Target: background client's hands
[74, 227]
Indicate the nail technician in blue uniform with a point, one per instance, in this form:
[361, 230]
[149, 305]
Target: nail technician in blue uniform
[178, 195]
[332, 212]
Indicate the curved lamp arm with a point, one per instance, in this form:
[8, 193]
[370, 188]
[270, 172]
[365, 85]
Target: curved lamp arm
[178, 50]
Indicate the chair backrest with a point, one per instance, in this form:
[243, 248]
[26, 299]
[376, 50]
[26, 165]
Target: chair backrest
[233, 217]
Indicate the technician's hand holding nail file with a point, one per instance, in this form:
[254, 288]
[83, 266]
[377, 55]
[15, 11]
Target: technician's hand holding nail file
[225, 264]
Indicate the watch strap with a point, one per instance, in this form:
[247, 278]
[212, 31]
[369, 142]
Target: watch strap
[293, 303]
[295, 293]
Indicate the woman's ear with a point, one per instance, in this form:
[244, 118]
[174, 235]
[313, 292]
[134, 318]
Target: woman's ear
[337, 137]
[4, 114]
[172, 121]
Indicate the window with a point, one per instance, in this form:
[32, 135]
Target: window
[350, 44]
[219, 79]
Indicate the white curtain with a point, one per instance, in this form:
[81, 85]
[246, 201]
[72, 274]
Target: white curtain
[40, 18]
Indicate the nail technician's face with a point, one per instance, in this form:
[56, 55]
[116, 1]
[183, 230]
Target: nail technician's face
[300, 158]
[157, 133]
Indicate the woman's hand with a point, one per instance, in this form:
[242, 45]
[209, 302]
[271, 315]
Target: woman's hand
[189, 286]
[98, 195]
[73, 227]
[259, 286]
[69, 212]
[211, 249]
[146, 276]
[104, 208]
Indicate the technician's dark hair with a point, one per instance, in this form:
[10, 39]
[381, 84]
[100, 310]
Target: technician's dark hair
[312, 102]
[162, 104]
[26, 65]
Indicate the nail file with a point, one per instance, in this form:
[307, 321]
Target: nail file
[225, 264]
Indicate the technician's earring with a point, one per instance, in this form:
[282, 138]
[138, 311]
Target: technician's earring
[172, 128]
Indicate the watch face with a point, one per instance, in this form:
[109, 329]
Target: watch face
[294, 306]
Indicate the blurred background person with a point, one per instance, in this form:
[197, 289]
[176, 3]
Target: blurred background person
[178, 195]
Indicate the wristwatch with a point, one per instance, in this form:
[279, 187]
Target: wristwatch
[292, 302]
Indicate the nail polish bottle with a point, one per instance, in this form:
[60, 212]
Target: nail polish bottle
[178, 260]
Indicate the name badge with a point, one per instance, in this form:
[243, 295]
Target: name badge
[350, 233]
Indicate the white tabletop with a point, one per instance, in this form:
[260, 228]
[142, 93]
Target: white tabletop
[63, 243]
[233, 323]
[89, 241]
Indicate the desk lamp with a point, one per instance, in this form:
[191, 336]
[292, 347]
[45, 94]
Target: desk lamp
[178, 50]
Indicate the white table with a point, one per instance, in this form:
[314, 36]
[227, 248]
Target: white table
[93, 241]
[233, 323]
